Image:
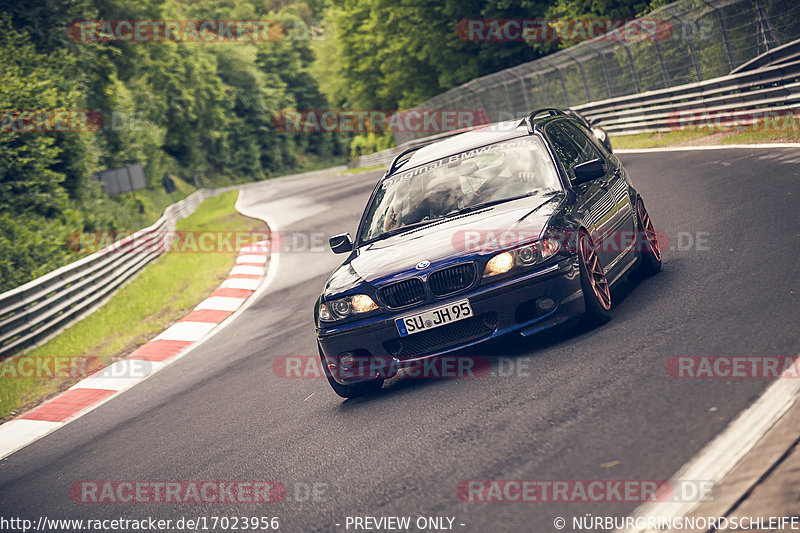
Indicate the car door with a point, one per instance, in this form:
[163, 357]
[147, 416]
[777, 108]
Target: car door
[618, 234]
[600, 201]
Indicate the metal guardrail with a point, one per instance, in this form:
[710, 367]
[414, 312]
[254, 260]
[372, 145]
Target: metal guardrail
[33, 312]
[771, 89]
[703, 40]
[768, 84]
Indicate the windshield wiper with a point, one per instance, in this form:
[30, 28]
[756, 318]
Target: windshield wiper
[398, 231]
[469, 209]
[484, 205]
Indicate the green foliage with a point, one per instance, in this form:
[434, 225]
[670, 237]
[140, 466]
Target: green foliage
[370, 143]
[208, 110]
[188, 109]
[381, 54]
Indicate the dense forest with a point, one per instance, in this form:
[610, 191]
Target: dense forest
[207, 109]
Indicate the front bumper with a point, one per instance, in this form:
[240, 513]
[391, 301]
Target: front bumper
[499, 308]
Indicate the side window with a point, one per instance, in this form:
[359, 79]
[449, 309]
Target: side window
[565, 149]
[586, 130]
[586, 147]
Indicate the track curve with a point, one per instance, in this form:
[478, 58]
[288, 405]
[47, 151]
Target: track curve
[594, 405]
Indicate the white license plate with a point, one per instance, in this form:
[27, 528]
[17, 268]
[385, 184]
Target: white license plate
[434, 318]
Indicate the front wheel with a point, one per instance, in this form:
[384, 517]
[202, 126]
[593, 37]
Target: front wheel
[349, 391]
[596, 292]
[647, 243]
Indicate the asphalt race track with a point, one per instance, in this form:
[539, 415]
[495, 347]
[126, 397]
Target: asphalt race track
[578, 404]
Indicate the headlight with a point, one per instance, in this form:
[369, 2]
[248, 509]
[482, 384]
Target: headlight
[499, 264]
[345, 307]
[361, 303]
[600, 134]
[521, 257]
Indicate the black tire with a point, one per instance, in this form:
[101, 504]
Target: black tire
[349, 391]
[646, 243]
[596, 300]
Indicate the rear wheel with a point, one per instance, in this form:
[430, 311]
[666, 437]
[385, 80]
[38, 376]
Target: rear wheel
[596, 291]
[647, 242]
[349, 391]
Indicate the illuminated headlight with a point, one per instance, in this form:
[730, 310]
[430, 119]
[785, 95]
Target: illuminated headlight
[361, 303]
[345, 307]
[600, 134]
[499, 264]
[521, 257]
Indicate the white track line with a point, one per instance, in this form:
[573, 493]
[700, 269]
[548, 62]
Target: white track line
[251, 258]
[222, 303]
[251, 270]
[721, 455]
[186, 331]
[120, 375]
[699, 148]
[249, 284]
[17, 434]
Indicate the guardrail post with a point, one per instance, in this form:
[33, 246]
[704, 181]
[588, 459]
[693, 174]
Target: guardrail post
[689, 42]
[605, 67]
[524, 89]
[583, 77]
[723, 28]
[661, 63]
[766, 24]
[560, 77]
[633, 69]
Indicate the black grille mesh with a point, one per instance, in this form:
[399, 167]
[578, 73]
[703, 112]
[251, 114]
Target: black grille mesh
[433, 340]
[404, 293]
[453, 279]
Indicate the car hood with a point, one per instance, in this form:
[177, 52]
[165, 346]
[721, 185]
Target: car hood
[442, 243]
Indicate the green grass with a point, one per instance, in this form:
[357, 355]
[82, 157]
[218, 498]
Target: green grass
[363, 169]
[165, 291]
[655, 140]
[708, 136]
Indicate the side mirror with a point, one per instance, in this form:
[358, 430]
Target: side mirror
[591, 170]
[594, 121]
[341, 244]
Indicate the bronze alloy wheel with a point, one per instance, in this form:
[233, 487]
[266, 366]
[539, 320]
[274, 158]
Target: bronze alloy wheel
[597, 278]
[649, 230]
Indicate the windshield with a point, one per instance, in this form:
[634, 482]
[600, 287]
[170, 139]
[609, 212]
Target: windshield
[458, 183]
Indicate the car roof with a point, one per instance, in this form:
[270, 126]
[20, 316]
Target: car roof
[481, 136]
[489, 134]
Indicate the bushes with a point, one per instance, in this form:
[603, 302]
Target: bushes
[370, 143]
[182, 108]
